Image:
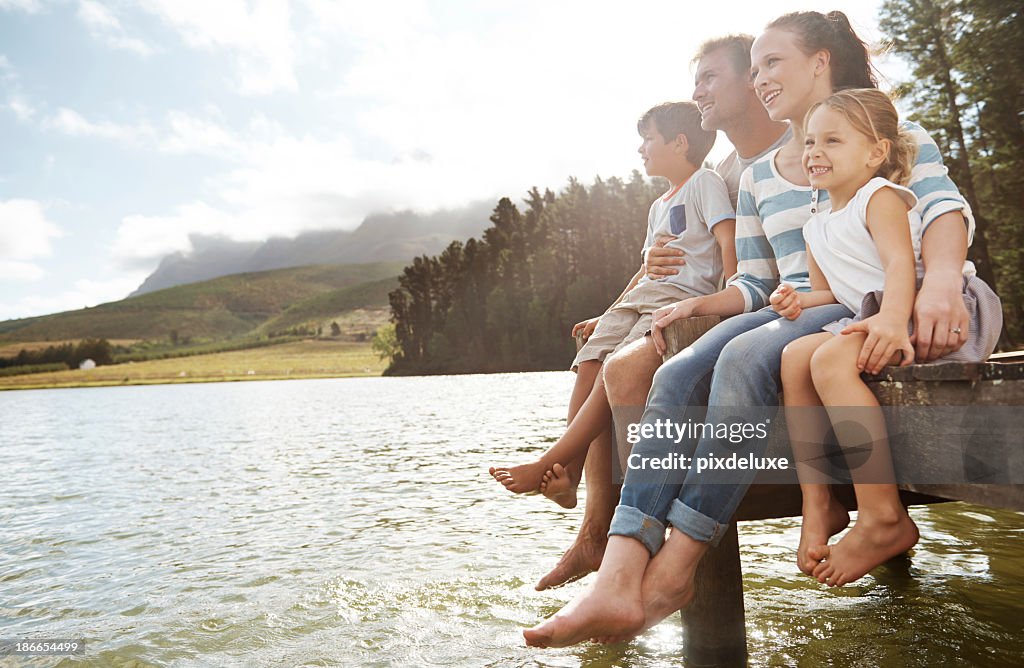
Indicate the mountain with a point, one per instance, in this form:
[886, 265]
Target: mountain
[392, 237]
[241, 304]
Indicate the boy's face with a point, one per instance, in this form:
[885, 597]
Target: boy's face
[658, 156]
[722, 94]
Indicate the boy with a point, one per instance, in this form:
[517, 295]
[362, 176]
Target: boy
[697, 211]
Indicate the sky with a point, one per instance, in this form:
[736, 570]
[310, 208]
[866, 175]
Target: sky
[128, 125]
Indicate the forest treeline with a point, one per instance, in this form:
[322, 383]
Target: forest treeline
[967, 61]
[507, 301]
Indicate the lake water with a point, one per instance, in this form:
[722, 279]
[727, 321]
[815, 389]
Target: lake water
[352, 522]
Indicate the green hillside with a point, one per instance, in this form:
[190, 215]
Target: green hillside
[329, 305]
[216, 309]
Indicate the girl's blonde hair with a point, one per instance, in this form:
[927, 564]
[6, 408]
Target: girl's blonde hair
[871, 112]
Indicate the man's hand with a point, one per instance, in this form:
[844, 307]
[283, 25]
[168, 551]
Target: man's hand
[660, 260]
[665, 316]
[786, 302]
[941, 321]
[886, 336]
[585, 328]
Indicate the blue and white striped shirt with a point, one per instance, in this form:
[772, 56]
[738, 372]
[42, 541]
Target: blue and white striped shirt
[771, 213]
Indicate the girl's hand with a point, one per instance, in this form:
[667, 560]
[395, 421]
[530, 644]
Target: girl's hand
[786, 302]
[886, 337]
[585, 328]
[665, 316]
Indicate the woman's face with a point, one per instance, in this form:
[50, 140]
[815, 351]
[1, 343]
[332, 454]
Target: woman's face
[787, 80]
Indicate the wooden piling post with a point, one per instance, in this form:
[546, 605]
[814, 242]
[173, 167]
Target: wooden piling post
[714, 630]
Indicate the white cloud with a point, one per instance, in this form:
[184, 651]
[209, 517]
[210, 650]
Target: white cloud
[72, 123]
[83, 293]
[21, 107]
[25, 234]
[107, 28]
[22, 272]
[143, 239]
[260, 38]
[29, 6]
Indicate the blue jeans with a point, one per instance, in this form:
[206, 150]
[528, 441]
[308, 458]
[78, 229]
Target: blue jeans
[733, 370]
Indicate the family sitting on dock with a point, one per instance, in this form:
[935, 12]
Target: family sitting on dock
[836, 202]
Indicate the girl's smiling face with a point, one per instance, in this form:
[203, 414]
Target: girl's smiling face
[837, 156]
[787, 80]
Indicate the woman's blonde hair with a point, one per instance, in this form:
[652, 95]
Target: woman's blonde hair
[871, 112]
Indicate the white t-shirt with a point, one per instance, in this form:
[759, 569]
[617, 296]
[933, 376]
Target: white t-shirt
[689, 212]
[733, 165]
[845, 251]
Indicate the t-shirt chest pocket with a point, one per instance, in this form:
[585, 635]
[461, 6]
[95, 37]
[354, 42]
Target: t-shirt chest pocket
[677, 219]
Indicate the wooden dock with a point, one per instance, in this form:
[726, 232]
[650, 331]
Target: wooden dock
[713, 625]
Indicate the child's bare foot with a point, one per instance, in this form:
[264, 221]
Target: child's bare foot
[520, 479]
[557, 486]
[819, 524]
[600, 611]
[869, 543]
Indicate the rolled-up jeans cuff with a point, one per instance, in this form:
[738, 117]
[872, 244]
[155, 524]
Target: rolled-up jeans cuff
[629, 521]
[694, 524]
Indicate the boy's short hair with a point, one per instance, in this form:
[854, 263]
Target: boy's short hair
[736, 45]
[672, 119]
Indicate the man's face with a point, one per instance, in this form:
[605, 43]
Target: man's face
[722, 94]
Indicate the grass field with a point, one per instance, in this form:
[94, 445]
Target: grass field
[301, 359]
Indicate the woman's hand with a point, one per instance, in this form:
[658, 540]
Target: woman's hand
[885, 337]
[585, 328]
[941, 321]
[665, 316]
[786, 302]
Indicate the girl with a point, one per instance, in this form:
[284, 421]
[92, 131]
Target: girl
[869, 240]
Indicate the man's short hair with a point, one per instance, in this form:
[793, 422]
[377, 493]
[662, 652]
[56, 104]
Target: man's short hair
[737, 46]
[672, 119]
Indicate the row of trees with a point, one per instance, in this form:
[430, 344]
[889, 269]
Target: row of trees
[508, 301]
[98, 350]
[967, 58]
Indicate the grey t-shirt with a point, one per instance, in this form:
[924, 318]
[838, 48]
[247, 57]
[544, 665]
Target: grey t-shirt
[732, 165]
[689, 213]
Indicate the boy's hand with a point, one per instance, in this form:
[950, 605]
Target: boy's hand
[659, 260]
[786, 302]
[665, 316]
[886, 337]
[585, 328]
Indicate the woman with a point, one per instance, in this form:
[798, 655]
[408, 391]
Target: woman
[799, 60]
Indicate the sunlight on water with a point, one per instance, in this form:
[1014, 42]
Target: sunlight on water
[352, 522]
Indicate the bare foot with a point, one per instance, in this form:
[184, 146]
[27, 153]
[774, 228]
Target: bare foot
[819, 524]
[582, 557]
[557, 486]
[869, 543]
[520, 479]
[610, 606]
[668, 583]
[668, 580]
[598, 611]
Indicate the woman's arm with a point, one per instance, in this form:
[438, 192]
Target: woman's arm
[948, 227]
